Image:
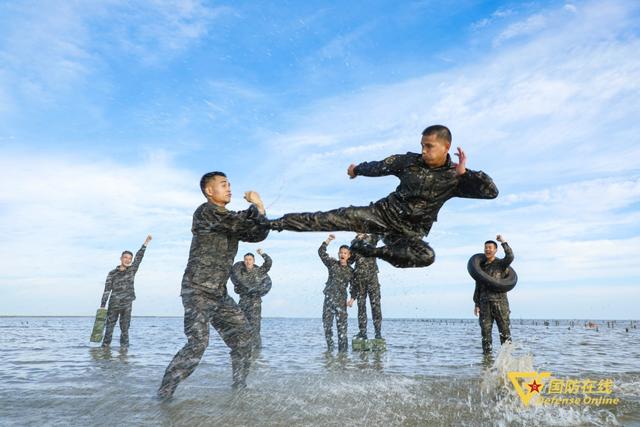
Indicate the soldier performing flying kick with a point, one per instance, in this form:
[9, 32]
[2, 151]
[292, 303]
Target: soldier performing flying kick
[406, 215]
[216, 232]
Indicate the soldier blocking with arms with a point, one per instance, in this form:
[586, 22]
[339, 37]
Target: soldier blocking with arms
[251, 283]
[335, 293]
[491, 305]
[216, 233]
[405, 216]
[365, 281]
[119, 290]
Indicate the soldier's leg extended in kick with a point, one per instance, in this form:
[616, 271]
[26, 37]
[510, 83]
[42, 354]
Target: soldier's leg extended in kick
[400, 250]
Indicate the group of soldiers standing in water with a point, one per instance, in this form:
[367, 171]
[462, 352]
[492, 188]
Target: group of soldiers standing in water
[401, 220]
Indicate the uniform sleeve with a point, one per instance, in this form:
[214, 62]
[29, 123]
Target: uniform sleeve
[508, 255]
[248, 225]
[238, 287]
[353, 291]
[138, 259]
[108, 285]
[324, 256]
[392, 165]
[476, 295]
[266, 266]
[476, 185]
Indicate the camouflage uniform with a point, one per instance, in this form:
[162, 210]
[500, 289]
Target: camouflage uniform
[119, 284]
[251, 286]
[365, 279]
[216, 232]
[335, 298]
[494, 305]
[405, 216]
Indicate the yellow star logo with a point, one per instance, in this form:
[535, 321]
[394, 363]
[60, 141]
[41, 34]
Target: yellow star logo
[529, 378]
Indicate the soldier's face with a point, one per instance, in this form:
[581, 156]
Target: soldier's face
[249, 261]
[434, 150]
[490, 251]
[126, 260]
[219, 190]
[344, 254]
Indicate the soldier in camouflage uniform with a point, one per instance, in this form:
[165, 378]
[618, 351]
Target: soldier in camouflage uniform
[119, 290]
[490, 305]
[335, 294]
[216, 233]
[405, 216]
[365, 280]
[251, 283]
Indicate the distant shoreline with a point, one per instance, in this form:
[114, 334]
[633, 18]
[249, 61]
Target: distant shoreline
[513, 320]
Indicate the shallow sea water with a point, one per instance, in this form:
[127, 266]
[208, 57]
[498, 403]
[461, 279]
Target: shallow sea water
[433, 373]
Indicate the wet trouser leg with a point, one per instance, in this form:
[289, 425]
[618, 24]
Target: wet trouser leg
[373, 289]
[486, 324]
[362, 310]
[400, 251]
[327, 322]
[252, 309]
[125, 322]
[231, 323]
[113, 312]
[500, 310]
[227, 318]
[341, 323]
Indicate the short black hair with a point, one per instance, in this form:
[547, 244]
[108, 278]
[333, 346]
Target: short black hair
[127, 252]
[441, 132]
[249, 254]
[492, 242]
[208, 177]
[345, 247]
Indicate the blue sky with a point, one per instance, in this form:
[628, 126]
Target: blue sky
[111, 112]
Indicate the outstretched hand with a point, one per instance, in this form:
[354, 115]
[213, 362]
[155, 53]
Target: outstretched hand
[351, 171]
[330, 238]
[147, 240]
[260, 251]
[461, 166]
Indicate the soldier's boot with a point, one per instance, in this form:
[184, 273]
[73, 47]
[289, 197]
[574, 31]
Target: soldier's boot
[486, 347]
[363, 248]
[276, 224]
[362, 335]
[378, 335]
[343, 346]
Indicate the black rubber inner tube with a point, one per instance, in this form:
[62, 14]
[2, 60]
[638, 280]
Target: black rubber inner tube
[495, 285]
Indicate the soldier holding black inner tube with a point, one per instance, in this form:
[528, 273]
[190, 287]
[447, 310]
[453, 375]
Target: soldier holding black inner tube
[491, 305]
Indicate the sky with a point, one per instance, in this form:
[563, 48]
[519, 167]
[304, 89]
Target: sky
[110, 112]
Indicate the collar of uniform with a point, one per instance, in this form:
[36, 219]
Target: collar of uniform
[217, 207]
[447, 164]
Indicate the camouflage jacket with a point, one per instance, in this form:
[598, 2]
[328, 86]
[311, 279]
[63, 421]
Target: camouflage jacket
[496, 269]
[340, 277]
[254, 283]
[413, 206]
[119, 283]
[366, 268]
[216, 233]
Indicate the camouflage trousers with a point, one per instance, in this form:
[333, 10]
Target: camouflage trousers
[225, 316]
[490, 311]
[370, 288]
[338, 310]
[401, 250]
[115, 312]
[252, 309]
